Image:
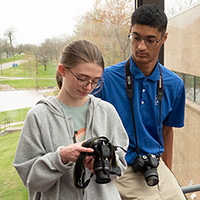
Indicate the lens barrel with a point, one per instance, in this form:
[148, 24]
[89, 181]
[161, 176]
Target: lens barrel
[151, 177]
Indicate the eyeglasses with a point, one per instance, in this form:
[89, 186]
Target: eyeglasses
[149, 41]
[95, 84]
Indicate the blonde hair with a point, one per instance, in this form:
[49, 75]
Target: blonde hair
[77, 52]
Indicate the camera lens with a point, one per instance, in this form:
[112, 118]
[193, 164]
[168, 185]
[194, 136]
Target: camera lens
[152, 181]
[151, 177]
[101, 170]
[102, 177]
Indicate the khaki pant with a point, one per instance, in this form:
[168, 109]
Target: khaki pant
[132, 186]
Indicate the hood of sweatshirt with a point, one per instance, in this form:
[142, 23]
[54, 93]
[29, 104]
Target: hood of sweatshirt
[53, 105]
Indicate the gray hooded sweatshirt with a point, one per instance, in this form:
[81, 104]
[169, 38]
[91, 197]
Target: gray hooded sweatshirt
[38, 161]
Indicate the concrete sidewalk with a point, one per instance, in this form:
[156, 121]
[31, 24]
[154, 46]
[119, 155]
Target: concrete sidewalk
[10, 64]
[16, 123]
[12, 129]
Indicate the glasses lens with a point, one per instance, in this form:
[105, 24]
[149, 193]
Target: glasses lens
[82, 83]
[98, 87]
[149, 42]
[100, 83]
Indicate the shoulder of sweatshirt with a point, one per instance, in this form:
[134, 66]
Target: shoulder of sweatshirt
[101, 103]
[45, 106]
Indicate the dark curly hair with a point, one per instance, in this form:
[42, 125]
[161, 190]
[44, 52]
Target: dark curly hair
[150, 15]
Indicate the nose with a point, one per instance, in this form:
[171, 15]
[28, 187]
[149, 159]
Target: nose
[142, 45]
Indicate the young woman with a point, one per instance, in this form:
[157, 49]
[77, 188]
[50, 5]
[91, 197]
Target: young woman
[55, 128]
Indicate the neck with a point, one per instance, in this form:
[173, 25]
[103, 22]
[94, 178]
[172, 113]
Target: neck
[70, 101]
[146, 68]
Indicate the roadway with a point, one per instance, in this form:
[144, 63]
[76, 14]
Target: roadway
[8, 65]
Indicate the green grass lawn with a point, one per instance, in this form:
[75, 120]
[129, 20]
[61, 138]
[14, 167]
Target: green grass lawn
[29, 83]
[17, 115]
[43, 79]
[23, 71]
[11, 59]
[11, 186]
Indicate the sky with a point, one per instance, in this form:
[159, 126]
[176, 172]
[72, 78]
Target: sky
[37, 20]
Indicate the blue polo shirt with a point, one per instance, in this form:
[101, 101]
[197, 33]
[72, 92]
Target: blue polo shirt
[146, 105]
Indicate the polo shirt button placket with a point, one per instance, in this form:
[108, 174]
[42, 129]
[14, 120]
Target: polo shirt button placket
[143, 91]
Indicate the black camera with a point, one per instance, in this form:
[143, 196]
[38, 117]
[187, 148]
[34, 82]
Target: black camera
[102, 165]
[147, 165]
[104, 162]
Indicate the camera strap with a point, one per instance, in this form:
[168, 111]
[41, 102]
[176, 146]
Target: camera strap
[79, 169]
[130, 94]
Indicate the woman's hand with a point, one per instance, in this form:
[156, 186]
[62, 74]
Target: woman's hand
[89, 163]
[72, 152]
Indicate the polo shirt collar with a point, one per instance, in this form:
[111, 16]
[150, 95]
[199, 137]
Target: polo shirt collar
[136, 72]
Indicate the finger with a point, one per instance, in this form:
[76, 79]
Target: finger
[88, 159]
[87, 150]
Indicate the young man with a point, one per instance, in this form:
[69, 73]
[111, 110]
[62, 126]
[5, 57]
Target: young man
[156, 105]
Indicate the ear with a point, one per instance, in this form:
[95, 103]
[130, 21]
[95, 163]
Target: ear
[165, 37]
[61, 69]
[130, 30]
[130, 33]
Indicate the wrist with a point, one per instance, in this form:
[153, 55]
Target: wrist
[62, 157]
